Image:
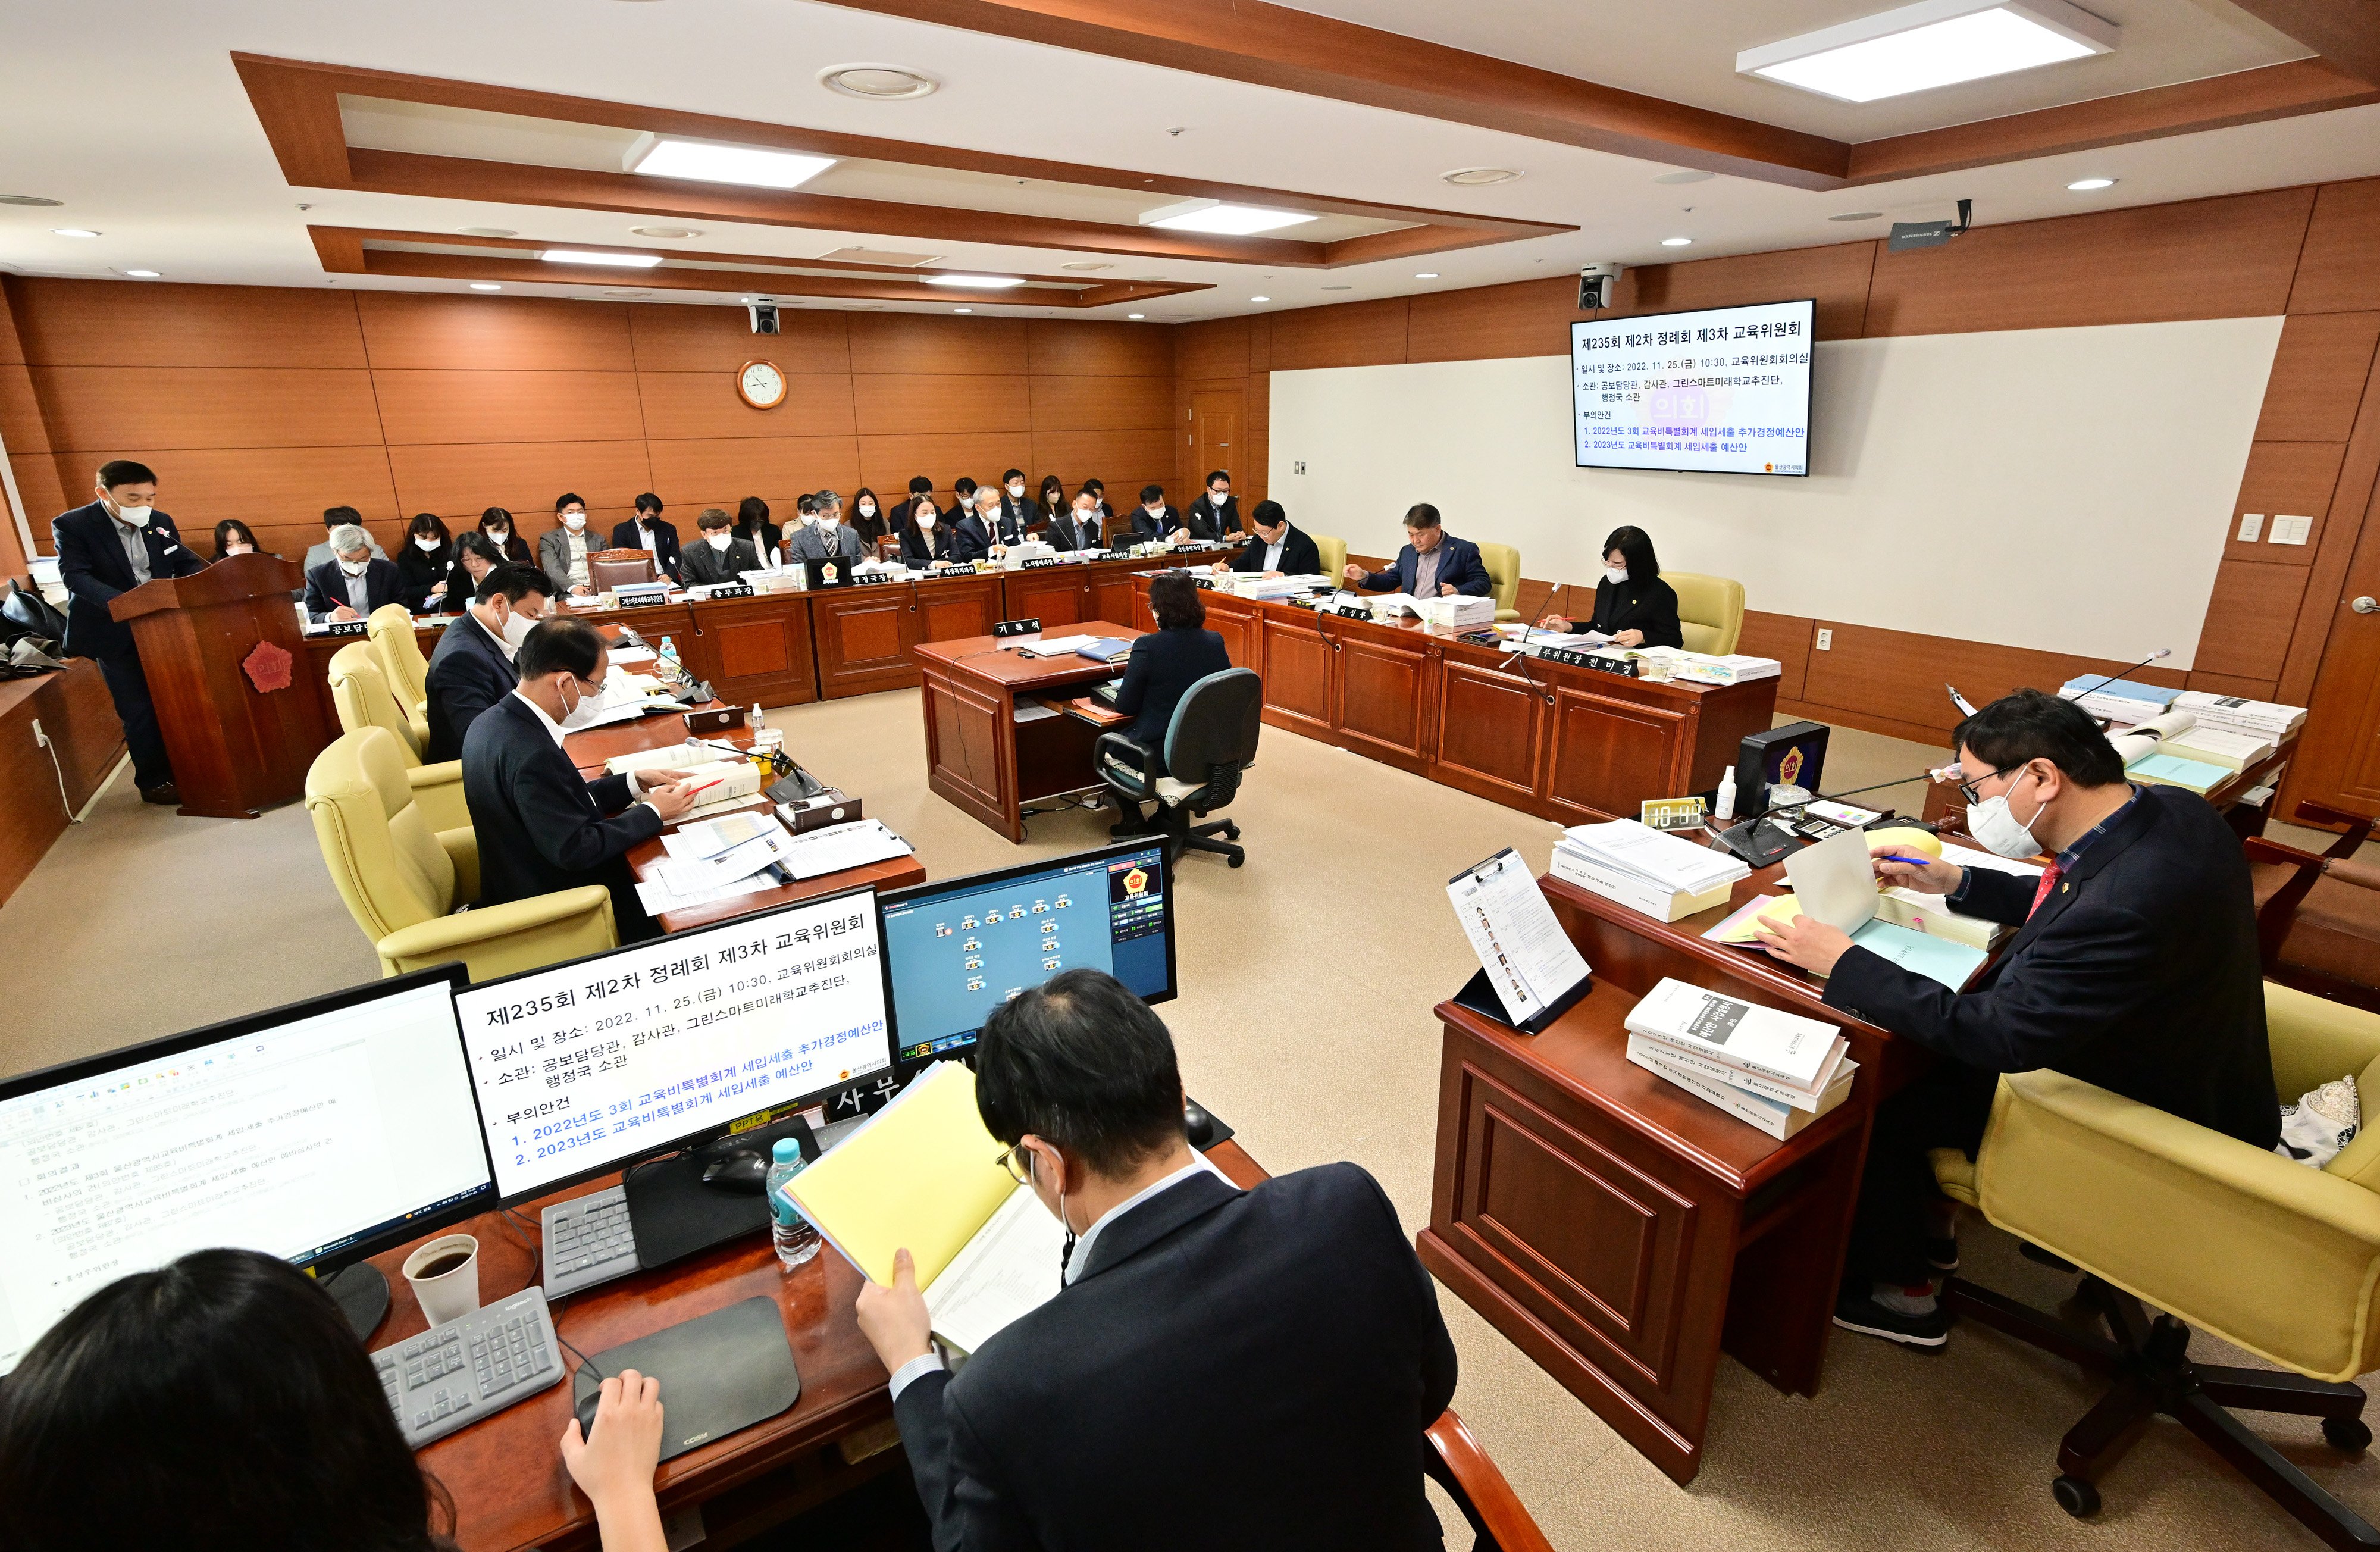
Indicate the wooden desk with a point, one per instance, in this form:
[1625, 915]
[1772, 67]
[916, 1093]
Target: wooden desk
[1944, 805]
[85, 736]
[1575, 746]
[979, 756]
[1619, 1231]
[505, 1473]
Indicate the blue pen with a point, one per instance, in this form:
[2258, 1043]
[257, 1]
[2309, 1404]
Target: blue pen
[1913, 862]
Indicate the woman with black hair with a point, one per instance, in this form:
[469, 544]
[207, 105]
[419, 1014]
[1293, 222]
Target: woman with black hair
[869, 519]
[474, 558]
[752, 523]
[221, 1404]
[497, 526]
[1633, 605]
[1167, 661]
[233, 538]
[1053, 502]
[925, 538]
[422, 566]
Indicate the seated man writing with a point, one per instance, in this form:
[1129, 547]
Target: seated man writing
[1222, 1368]
[2135, 968]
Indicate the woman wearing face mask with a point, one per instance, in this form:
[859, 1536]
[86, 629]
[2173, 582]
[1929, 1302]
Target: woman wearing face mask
[474, 558]
[1633, 605]
[717, 555]
[753, 527]
[868, 518]
[233, 538]
[925, 538]
[496, 526]
[1053, 504]
[422, 564]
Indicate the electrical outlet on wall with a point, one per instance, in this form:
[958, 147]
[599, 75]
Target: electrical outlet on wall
[41, 739]
[1297, 468]
[1825, 641]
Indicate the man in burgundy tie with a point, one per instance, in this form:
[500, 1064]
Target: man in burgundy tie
[2133, 967]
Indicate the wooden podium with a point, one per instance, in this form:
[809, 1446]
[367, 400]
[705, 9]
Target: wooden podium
[221, 650]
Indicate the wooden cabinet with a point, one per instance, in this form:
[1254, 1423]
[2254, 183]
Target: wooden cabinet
[1609, 753]
[862, 638]
[962, 606]
[1298, 676]
[1056, 596]
[1490, 734]
[1379, 691]
[751, 650]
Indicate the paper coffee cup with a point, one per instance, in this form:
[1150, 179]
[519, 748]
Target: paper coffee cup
[453, 1291]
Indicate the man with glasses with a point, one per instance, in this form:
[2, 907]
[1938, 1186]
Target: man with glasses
[542, 825]
[2133, 967]
[1219, 1368]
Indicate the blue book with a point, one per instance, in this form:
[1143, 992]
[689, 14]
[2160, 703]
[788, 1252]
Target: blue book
[2119, 689]
[1106, 649]
[2173, 771]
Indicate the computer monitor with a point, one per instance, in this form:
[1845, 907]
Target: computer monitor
[583, 1067]
[324, 1132]
[962, 948]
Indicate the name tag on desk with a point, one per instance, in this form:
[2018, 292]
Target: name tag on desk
[1350, 611]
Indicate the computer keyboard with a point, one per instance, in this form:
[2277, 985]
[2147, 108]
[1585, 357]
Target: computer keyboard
[456, 1373]
[588, 1241]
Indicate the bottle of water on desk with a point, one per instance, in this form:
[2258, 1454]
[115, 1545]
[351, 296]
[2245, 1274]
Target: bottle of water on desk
[797, 1238]
[671, 671]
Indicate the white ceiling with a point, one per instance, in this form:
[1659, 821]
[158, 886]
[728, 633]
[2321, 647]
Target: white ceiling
[131, 112]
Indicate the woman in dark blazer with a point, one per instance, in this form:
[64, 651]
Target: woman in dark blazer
[868, 518]
[1054, 503]
[1166, 662]
[422, 564]
[474, 558]
[752, 525]
[925, 536]
[1633, 605]
[496, 526]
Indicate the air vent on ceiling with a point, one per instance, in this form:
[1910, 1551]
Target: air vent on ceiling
[881, 84]
[878, 256]
[33, 199]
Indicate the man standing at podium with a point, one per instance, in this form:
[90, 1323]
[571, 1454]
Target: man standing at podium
[112, 546]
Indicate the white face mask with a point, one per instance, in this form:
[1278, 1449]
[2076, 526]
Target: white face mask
[496, 536]
[574, 521]
[516, 628]
[355, 568]
[2000, 831]
[425, 543]
[867, 509]
[1615, 574]
[135, 515]
[1016, 488]
[926, 520]
[584, 713]
[809, 519]
[235, 548]
[719, 541]
[1216, 498]
[1156, 510]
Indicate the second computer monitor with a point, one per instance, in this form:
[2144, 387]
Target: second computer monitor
[960, 949]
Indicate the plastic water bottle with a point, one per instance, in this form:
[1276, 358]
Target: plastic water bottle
[668, 655]
[796, 1237]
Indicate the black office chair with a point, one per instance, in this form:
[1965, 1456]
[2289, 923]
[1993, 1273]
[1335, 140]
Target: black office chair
[1212, 739]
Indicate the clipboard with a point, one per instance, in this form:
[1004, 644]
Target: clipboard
[1516, 939]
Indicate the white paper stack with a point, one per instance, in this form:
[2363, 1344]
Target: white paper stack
[2225, 746]
[1777, 1071]
[2237, 715]
[2122, 700]
[716, 859]
[1250, 585]
[1930, 913]
[1666, 877]
[1733, 669]
[1460, 609]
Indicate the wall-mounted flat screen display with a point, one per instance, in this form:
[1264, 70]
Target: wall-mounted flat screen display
[1722, 391]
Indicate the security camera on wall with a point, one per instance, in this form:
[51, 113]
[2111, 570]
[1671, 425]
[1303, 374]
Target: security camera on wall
[764, 317]
[1596, 284]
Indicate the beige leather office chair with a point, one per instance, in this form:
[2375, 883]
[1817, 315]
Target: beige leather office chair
[1504, 563]
[404, 878]
[398, 652]
[1335, 555]
[2261, 1250]
[359, 693]
[608, 569]
[1710, 611]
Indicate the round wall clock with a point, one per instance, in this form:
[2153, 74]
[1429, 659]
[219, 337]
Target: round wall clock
[760, 384]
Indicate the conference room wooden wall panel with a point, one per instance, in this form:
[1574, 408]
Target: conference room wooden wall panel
[2317, 378]
[889, 405]
[99, 409]
[261, 486]
[422, 405]
[22, 429]
[1261, 402]
[936, 344]
[1101, 404]
[524, 478]
[2338, 269]
[125, 323]
[675, 337]
[1125, 460]
[1872, 675]
[1218, 347]
[439, 331]
[1251, 477]
[2319, 611]
[2250, 619]
[12, 343]
[1344, 335]
[1493, 322]
[2225, 684]
[705, 404]
[41, 485]
[1070, 347]
[887, 462]
[2232, 257]
[1837, 276]
[691, 474]
[2293, 479]
[1786, 637]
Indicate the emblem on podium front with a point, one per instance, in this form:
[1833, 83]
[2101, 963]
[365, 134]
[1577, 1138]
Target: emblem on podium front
[267, 667]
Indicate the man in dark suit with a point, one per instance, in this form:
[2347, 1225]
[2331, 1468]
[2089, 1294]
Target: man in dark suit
[1016, 509]
[1078, 527]
[1432, 564]
[718, 555]
[1218, 1368]
[1278, 549]
[1214, 514]
[975, 532]
[646, 531]
[2134, 969]
[472, 668]
[1154, 518]
[542, 825]
[109, 547]
[354, 582]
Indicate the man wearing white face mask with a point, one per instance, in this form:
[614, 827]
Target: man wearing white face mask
[542, 825]
[563, 550]
[2133, 967]
[472, 668]
[718, 555]
[355, 582]
[112, 546]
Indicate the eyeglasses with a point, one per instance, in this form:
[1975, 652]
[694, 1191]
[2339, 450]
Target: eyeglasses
[1967, 789]
[1021, 1172]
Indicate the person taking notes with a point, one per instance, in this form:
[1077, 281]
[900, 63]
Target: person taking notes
[1633, 605]
[1432, 564]
[1278, 550]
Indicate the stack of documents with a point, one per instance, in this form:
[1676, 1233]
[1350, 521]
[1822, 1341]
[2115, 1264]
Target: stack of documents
[2219, 746]
[1666, 877]
[817, 852]
[1053, 645]
[2237, 715]
[1268, 587]
[1776, 1071]
[1458, 611]
[1921, 947]
[1926, 913]
[2119, 700]
[1733, 669]
[717, 859]
[2178, 768]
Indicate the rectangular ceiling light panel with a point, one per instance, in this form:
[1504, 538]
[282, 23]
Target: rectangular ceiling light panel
[1937, 42]
[577, 256]
[1214, 216]
[977, 283]
[708, 161]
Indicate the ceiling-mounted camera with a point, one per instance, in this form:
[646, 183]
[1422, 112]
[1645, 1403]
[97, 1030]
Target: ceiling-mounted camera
[1906, 235]
[1596, 284]
[764, 317]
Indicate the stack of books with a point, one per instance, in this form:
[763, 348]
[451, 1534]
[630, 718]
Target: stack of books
[1459, 610]
[1666, 877]
[2168, 766]
[1734, 669]
[2219, 746]
[2119, 700]
[1776, 1071]
[2234, 714]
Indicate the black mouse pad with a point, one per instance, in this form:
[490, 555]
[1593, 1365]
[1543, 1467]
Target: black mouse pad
[719, 1372]
[674, 1215]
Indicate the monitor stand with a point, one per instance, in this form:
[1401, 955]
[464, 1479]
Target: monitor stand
[720, 1372]
[361, 1292]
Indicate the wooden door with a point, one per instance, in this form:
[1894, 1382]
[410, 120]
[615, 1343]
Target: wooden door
[2337, 760]
[1216, 416]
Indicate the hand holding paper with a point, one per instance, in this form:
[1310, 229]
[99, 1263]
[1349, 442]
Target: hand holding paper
[893, 1315]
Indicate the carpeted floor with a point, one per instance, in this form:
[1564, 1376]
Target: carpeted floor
[1308, 977]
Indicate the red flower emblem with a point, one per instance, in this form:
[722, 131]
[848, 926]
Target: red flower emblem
[268, 667]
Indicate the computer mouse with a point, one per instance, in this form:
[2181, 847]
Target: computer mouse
[1199, 1123]
[742, 1171]
[587, 1405]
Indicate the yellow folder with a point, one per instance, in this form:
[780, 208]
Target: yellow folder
[923, 1174]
